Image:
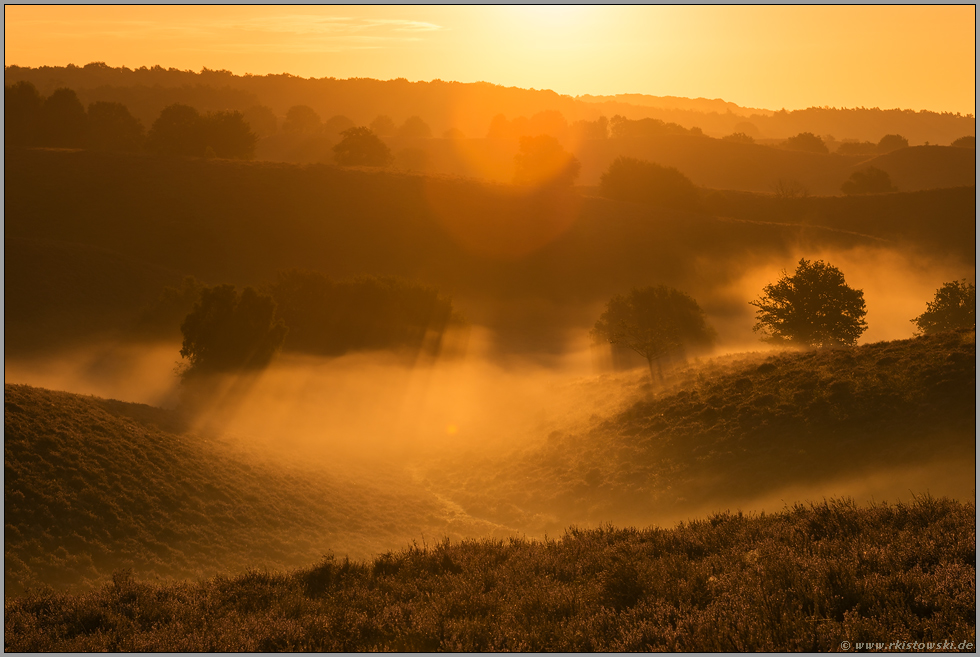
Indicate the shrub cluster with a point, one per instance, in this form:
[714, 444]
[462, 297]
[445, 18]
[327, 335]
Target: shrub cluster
[60, 120]
[330, 318]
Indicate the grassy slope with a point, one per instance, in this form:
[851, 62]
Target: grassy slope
[731, 431]
[805, 579]
[92, 486]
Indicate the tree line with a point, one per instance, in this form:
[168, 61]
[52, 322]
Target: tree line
[466, 106]
[812, 308]
[227, 331]
[61, 121]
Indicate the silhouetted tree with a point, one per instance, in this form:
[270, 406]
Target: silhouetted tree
[787, 188]
[367, 313]
[812, 308]
[965, 142]
[336, 125]
[63, 121]
[301, 119]
[178, 130]
[361, 147]
[112, 128]
[262, 120]
[890, 143]
[585, 130]
[639, 181]
[869, 181]
[542, 161]
[454, 134]
[229, 135]
[415, 128]
[806, 142]
[227, 332]
[21, 114]
[383, 126]
[654, 322]
[499, 128]
[954, 307]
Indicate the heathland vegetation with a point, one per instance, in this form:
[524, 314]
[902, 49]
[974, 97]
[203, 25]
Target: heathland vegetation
[311, 248]
[78, 508]
[806, 579]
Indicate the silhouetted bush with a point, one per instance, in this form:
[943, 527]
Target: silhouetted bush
[262, 120]
[857, 148]
[542, 161]
[63, 120]
[788, 188]
[806, 142]
[336, 125]
[383, 126]
[112, 128]
[181, 130]
[165, 315]
[629, 179]
[654, 322]
[890, 143]
[301, 119]
[965, 142]
[739, 138]
[812, 308]
[330, 318]
[229, 135]
[177, 131]
[869, 181]
[414, 128]
[228, 332]
[361, 147]
[955, 307]
[585, 130]
[21, 114]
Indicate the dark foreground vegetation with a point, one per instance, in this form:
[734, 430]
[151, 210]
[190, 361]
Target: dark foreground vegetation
[805, 579]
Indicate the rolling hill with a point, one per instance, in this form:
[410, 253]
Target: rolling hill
[93, 485]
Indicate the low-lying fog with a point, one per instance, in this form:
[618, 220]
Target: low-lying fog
[381, 406]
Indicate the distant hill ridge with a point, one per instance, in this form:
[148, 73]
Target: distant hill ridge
[465, 106]
[679, 102]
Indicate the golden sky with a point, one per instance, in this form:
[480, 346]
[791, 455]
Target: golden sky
[913, 57]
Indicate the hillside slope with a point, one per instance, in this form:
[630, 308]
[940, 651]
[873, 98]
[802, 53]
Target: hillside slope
[882, 418]
[92, 486]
